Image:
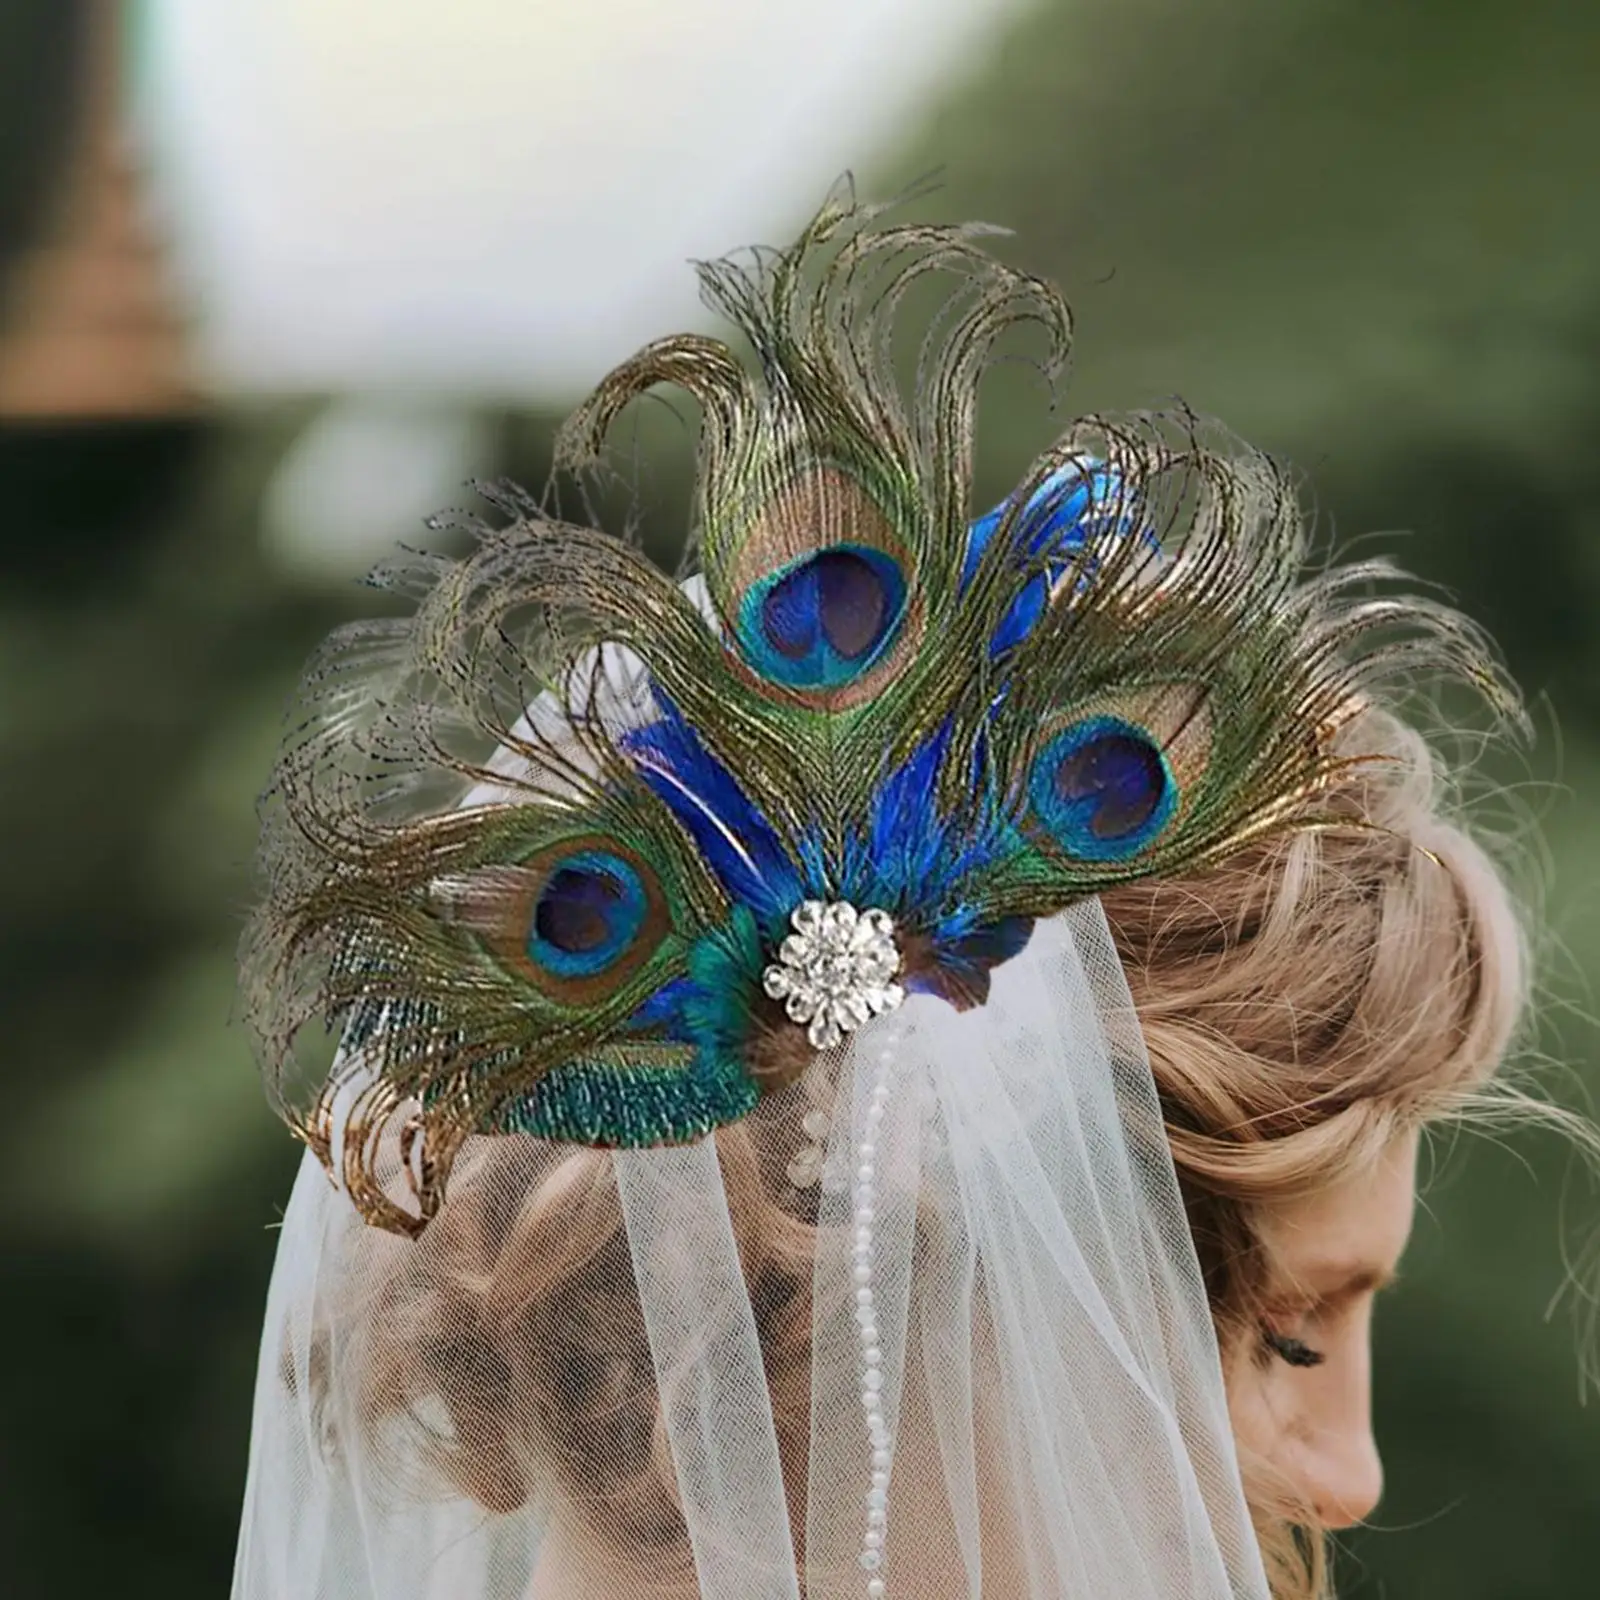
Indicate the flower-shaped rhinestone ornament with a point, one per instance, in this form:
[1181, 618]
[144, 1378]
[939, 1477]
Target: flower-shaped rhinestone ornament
[836, 970]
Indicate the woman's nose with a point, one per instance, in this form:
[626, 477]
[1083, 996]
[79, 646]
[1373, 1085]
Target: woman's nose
[1346, 1478]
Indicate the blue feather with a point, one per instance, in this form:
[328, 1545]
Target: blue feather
[909, 855]
[738, 843]
[663, 1012]
[1077, 504]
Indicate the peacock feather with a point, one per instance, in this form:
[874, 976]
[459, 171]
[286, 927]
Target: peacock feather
[538, 847]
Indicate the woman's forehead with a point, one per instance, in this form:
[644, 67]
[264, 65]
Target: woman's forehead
[1348, 1237]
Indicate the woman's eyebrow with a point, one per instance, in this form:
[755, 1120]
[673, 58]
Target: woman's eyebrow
[1336, 1280]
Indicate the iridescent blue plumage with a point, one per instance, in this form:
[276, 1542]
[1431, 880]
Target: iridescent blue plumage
[590, 910]
[1104, 789]
[911, 856]
[737, 842]
[1078, 505]
[821, 621]
[914, 850]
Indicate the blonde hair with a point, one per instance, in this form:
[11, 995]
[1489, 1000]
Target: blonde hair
[1302, 1003]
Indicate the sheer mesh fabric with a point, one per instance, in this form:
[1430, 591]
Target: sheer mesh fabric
[640, 1373]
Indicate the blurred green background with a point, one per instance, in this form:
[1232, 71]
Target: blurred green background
[1365, 234]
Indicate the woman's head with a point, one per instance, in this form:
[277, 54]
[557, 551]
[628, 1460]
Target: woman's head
[1300, 1395]
[1308, 1008]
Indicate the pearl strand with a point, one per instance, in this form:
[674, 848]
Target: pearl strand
[873, 1539]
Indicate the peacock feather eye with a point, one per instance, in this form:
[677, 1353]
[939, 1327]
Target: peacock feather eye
[821, 621]
[819, 590]
[1103, 788]
[576, 919]
[588, 915]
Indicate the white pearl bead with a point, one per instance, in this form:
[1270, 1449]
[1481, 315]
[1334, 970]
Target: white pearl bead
[871, 1352]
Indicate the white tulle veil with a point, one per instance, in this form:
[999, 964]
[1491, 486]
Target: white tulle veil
[1050, 1386]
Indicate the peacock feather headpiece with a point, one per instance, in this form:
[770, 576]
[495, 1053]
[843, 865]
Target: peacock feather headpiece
[582, 852]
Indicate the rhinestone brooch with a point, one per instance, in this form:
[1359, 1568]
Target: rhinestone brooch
[836, 970]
